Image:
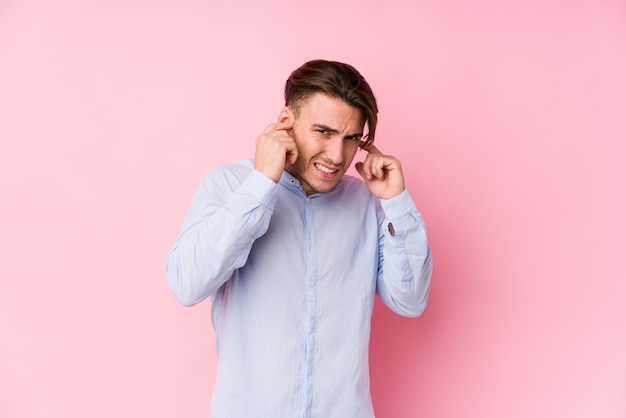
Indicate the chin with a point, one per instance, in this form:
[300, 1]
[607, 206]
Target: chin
[317, 185]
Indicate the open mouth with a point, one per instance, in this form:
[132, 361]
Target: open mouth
[325, 169]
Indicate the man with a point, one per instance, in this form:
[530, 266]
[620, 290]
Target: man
[292, 252]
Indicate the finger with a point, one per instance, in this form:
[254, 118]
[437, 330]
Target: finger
[280, 126]
[365, 168]
[361, 170]
[377, 169]
[291, 151]
[284, 126]
[270, 128]
[369, 147]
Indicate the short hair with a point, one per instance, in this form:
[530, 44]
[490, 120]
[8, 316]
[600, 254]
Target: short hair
[337, 80]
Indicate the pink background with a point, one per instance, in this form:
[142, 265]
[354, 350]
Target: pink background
[510, 121]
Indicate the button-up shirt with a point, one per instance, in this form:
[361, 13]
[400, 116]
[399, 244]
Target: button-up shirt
[292, 279]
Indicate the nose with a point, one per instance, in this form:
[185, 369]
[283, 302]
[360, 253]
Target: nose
[334, 150]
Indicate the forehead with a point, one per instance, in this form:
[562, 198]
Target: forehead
[323, 109]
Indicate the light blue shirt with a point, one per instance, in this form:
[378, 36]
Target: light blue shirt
[292, 281]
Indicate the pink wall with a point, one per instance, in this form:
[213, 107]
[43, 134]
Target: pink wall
[510, 123]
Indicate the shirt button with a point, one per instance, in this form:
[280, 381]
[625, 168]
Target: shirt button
[310, 241]
[399, 250]
[311, 283]
[293, 181]
[389, 210]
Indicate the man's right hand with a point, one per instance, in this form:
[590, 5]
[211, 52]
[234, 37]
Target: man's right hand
[274, 149]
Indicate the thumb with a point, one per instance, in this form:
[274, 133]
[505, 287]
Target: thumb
[360, 169]
[292, 154]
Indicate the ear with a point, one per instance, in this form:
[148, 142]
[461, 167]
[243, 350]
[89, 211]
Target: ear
[285, 115]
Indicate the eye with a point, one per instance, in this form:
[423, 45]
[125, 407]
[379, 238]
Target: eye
[322, 131]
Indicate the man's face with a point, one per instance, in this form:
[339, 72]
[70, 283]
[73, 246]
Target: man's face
[327, 133]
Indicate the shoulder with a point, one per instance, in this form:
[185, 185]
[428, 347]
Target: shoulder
[235, 171]
[232, 169]
[224, 179]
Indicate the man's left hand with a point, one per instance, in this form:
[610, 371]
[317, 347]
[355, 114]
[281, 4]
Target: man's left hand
[382, 173]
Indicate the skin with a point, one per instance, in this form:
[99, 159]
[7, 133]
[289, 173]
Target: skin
[318, 145]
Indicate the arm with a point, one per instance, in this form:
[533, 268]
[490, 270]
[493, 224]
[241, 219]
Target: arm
[405, 260]
[227, 214]
[222, 223]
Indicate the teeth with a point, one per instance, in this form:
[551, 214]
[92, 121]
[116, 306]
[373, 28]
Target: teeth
[325, 169]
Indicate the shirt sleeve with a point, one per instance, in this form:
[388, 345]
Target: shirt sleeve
[405, 260]
[224, 219]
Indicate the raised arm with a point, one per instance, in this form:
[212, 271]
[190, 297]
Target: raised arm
[225, 217]
[231, 209]
[405, 260]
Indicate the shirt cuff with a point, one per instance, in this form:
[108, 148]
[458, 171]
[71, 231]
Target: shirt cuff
[398, 206]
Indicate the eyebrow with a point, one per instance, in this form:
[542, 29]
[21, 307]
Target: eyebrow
[357, 135]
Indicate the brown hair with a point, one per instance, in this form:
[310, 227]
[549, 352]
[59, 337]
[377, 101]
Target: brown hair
[337, 80]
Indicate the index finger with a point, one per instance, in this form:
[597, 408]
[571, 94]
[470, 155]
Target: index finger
[369, 147]
[278, 126]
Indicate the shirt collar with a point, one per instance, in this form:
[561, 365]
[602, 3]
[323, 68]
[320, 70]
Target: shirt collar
[291, 183]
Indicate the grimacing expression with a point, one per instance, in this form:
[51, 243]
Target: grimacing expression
[327, 132]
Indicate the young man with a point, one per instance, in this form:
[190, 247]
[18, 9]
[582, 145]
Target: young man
[292, 252]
